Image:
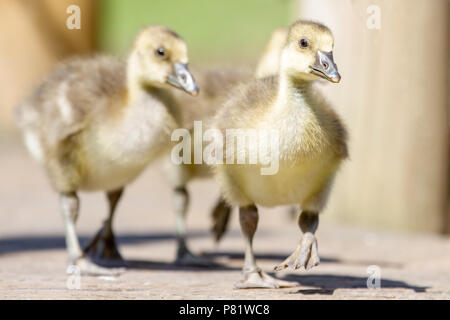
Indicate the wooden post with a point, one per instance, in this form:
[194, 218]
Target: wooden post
[33, 38]
[394, 99]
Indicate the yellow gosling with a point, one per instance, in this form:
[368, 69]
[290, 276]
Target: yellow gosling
[312, 144]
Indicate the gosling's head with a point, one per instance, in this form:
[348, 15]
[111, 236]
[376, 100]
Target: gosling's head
[308, 53]
[159, 59]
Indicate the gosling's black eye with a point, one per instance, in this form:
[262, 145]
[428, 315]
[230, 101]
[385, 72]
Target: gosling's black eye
[160, 52]
[304, 43]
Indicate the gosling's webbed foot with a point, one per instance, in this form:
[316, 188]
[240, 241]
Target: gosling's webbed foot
[305, 256]
[256, 278]
[186, 258]
[84, 266]
[103, 250]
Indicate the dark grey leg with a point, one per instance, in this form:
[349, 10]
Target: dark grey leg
[252, 275]
[103, 247]
[184, 256]
[220, 216]
[77, 262]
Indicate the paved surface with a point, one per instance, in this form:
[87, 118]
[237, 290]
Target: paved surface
[32, 256]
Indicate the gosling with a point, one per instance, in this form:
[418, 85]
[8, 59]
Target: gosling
[312, 145]
[95, 124]
[214, 85]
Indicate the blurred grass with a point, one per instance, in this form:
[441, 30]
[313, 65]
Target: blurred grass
[233, 30]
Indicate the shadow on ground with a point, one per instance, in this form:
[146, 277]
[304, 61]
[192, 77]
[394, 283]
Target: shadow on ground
[235, 255]
[280, 257]
[327, 284]
[55, 242]
[169, 266]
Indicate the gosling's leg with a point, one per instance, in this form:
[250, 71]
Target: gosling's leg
[306, 254]
[184, 256]
[220, 217]
[293, 212]
[103, 248]
[77, 262]
[69, 208]
[252, 275]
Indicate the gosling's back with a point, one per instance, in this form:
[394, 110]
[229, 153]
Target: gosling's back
[70, 97]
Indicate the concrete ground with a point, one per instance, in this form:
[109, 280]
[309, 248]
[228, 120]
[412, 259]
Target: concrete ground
[32, 255]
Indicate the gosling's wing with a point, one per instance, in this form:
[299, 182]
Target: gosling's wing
[66, 101]
[333, 123]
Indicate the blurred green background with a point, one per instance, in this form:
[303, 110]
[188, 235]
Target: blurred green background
[214, 30]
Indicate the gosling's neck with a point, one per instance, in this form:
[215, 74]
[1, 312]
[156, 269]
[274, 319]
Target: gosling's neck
[292, 91]
[140, 94]
[136, 87]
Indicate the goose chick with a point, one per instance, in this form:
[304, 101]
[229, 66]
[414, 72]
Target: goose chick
[312, 144]
[214, 85]
[95, 124]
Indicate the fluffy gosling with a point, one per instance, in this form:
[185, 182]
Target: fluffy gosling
[95, 124]
[312, 145]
